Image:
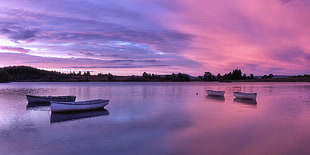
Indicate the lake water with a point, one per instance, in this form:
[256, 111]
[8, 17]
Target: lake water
[158, 118]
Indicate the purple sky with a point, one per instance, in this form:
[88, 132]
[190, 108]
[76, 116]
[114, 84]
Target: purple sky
[128, 37]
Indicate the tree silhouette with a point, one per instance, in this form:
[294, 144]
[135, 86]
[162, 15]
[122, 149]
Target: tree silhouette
[5, 76]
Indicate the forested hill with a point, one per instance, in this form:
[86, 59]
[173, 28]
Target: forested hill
[26, 73]
[30, 74]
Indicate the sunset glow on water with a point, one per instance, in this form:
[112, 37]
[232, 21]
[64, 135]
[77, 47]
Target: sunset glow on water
[158, 118]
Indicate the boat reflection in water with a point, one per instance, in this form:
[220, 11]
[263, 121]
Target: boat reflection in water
[48, 99]
[38, 107]
[249, 103]
[61, 117]
[216, 98]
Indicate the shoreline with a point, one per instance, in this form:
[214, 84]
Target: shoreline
[231, 81]
[30, 74]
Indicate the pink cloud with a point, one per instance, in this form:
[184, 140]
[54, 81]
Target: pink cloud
[15, 49]
[230, 35]
[116, 67]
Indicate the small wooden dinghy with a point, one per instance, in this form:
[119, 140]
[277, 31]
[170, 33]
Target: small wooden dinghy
[248, 96]
[78, 106]
[48, 99]
[215, 93]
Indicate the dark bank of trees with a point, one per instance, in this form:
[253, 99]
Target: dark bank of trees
[5, 76]
[234, 75]
[270, 76]
[177, 77]
[237, 75]
[172, 77]
[25, 74]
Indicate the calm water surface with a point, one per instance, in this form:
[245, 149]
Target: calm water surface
[158, 118]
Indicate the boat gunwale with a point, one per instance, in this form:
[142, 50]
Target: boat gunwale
[51, 97]
[215, 92]
[242, 93]
[91, 102]
[246, 96]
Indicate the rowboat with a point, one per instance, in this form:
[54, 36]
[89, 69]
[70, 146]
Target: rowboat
[248, 96]
[215, 93]
[78, 106]
[48, 99]
[61, 117]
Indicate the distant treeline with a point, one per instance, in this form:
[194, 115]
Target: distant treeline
[232, 76]
[236, 75]
[27, 74]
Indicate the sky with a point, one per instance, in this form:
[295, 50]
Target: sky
[129, 37]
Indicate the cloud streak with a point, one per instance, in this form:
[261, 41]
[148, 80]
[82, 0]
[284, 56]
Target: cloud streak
[121, 67]
[15, 49]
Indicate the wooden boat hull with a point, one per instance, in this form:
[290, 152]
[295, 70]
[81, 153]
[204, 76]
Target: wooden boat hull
[215, 93]
[247, 96]
[78, 106]
[48, 99]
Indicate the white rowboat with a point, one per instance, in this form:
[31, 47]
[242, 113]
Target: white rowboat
[78, 106]
[249, 96]
[215, 93]
[48, 99]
